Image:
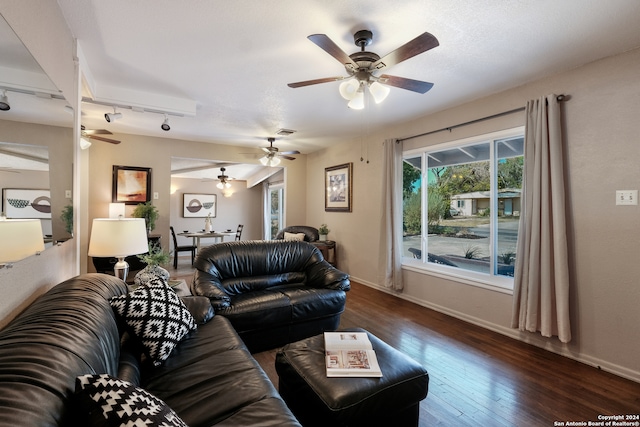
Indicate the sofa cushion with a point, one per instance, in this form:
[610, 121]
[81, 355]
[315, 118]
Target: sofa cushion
[211, 379]
[111, 401]
[156, 315]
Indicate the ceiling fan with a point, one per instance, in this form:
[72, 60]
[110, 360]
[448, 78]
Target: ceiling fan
[93, 134]
[362, 67]
[224, 180]
[272, 158]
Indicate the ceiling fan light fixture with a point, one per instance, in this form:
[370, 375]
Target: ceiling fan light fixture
[4, 102]
[379, 92]
[357, 103]
[165, 125]
[84, 143]
[270, 160]
[349, 89]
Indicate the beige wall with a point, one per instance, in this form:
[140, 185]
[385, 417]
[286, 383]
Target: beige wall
[156, 153]
[41, 27]
[602, 151]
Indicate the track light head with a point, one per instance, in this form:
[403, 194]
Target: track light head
[4, 102]
[109, 117]
[165, 125]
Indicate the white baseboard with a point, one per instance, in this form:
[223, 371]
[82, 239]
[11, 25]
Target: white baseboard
[526, 337]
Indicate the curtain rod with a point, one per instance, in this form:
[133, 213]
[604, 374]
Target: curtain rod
[560, 98]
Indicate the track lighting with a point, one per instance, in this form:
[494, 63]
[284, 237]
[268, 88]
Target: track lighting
[165, 125]
[109, 117]
[4, 102]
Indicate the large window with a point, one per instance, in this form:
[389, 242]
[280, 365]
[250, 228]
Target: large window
[462, 206]
[274, 211]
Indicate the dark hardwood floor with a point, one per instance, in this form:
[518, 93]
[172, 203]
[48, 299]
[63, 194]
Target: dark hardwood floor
[479, 377]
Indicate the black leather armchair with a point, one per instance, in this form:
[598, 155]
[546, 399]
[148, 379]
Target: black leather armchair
[273, 292]
[310, 233]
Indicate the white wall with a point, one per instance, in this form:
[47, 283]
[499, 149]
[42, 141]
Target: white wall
[602, 150]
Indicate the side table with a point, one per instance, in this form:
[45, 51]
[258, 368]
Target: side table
[328, 249]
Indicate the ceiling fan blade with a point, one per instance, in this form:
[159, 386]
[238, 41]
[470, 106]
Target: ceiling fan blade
[422, 43]
[326, 44]
[315, 82]
[290, 152]
[101, 138]
[287, 157]
[265, 149]
[405, 83]
[97, 132]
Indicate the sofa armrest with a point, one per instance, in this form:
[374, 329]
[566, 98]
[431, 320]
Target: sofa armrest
[199, 307]
[207, 285]
[324, 275]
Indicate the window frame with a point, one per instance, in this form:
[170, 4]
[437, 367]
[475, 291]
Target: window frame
[499, 283]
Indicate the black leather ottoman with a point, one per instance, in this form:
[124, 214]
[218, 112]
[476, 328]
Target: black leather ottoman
[316, 400]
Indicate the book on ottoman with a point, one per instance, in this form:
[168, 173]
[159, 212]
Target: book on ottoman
[350, 354]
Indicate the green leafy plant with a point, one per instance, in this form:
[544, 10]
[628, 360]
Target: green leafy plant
[67, 218]
[507, 258]
[148, 212]
[155, 256]
[323, 229]
[472, 251]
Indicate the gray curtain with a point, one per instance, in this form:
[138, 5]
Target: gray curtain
[541, 282]
[391, 233]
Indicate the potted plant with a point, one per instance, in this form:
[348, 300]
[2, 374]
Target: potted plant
[154, 259]
[148, 212]
[323, 231]
[67, 218]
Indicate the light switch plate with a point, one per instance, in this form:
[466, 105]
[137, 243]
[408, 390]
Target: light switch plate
[67, 194]
[626, 197]
[156, 196]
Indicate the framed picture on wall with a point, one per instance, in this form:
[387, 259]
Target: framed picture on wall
[195, 205]
[338, 188]
[131, 185]
[26, 203]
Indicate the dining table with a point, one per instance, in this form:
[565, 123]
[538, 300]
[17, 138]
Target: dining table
[219, 236]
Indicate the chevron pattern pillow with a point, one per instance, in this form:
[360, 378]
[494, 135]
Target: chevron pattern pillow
[110, 401]
[155, 315]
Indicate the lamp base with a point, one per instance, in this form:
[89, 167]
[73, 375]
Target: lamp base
[121, 269]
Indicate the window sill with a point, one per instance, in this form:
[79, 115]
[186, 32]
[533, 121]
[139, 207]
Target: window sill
[494, 283]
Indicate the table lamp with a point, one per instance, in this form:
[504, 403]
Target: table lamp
[118, 238]
[20, 239]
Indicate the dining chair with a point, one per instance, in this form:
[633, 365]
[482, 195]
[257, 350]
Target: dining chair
[239, 231]
[184, 248]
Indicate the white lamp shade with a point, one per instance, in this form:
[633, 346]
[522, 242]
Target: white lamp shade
[118, 237]
[268, 161]
[20, 239]
[349, 88]
[379, 92]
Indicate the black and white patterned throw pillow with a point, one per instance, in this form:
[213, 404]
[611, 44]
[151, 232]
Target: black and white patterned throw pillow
[156, 315]
[113, 402]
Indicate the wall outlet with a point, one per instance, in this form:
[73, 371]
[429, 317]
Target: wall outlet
[626, 197]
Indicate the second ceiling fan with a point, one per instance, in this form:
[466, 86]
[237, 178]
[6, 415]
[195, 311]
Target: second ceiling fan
[362, 67]
[272, 156]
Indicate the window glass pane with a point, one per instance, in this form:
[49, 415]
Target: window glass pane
[412, 206]
[509, 179]
[459, 200]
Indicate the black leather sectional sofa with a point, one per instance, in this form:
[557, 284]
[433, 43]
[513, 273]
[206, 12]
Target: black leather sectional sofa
[210, 377]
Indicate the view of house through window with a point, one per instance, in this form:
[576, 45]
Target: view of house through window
[462, 204]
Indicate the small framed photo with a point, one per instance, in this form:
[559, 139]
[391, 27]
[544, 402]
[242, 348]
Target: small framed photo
[26, 203]
[338, 188]
[131, 185]
[198, 205]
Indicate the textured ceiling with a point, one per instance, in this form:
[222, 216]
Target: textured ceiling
[225, 65]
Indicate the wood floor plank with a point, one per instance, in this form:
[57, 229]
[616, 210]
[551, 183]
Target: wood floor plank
[479, 377]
